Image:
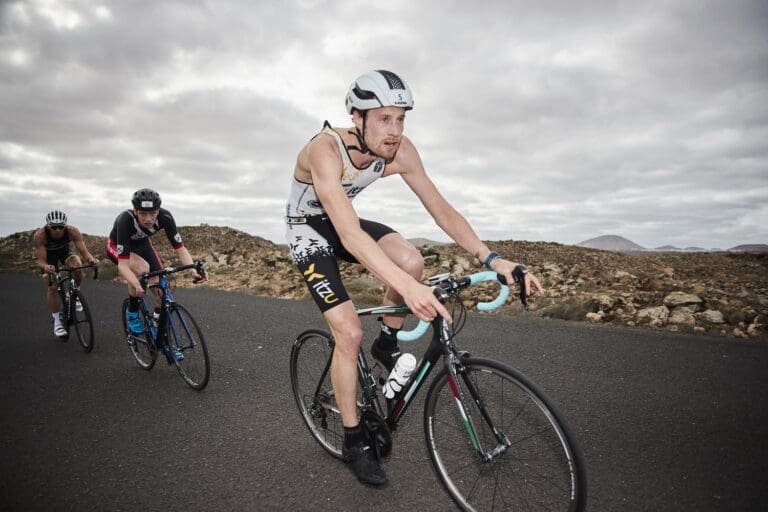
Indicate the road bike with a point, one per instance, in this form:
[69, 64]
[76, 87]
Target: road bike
[173, 330]
[495, 440]
[73, 306]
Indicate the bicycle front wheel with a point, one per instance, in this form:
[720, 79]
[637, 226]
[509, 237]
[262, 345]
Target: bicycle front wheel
[189, 352]
[82, 320]
[511, 450]
[142, 347]
[311, 383]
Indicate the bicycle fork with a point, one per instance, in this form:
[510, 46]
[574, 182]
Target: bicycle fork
[456, 369]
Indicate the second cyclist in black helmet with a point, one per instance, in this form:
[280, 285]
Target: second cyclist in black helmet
[130, 247]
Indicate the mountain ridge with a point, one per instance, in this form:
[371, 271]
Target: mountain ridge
[622, 244]
[724, 293]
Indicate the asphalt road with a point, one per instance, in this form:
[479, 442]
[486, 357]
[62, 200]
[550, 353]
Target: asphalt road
[666, 422]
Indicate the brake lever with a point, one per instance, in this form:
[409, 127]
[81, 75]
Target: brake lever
[518, 276]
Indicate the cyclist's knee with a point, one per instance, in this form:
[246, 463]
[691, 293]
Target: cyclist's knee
[412, 262]
[348, 339]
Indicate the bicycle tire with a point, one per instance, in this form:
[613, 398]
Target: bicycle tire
[82, 321]
[542, 468]
[184, 336]
[310, 358]
[143, 347]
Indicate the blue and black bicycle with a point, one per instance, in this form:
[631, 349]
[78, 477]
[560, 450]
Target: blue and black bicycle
[496, 441]
[174, 331]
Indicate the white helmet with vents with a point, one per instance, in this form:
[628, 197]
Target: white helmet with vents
[56, 218]
[377, 89]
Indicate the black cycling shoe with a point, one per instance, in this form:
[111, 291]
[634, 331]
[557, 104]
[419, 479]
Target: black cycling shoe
[384, 356]
[363, 462]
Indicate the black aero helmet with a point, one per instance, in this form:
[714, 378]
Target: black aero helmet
[56, 218]
[146, 199]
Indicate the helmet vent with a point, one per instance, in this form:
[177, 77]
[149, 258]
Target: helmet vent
[363, 95]
[392, 79]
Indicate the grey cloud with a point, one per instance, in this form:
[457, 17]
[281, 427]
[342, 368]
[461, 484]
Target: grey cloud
[577, 118]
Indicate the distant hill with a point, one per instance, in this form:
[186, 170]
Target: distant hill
[672, 248]
[611, 243]
[749, 248]
[420, 242]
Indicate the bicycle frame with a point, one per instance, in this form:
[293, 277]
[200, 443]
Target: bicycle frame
[65, 292]
[426, 364]
[159, 332]
[441, 346]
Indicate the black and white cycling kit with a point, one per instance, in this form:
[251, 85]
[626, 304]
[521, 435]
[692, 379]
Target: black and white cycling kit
[128, 236]
[312, 240]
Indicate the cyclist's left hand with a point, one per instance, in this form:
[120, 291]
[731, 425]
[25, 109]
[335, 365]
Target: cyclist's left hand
[505, 268]
[199, 279]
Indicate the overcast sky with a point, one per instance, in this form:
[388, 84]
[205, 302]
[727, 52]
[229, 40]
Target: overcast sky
[550, 121]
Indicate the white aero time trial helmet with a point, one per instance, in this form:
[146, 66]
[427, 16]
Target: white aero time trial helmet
[377, 89]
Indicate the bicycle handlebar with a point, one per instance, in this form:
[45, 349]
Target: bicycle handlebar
[453, 286]
[145, 277]
[72, 269]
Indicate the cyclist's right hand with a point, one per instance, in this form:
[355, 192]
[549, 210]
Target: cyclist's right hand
[423, 303]
[138, 290]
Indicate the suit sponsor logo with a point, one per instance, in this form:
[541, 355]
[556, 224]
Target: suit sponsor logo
[322, 287]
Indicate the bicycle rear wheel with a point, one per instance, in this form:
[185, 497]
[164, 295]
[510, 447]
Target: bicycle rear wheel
[532, 464]
[82, 320]
[185, 338]
[142, 346]
[311, 383]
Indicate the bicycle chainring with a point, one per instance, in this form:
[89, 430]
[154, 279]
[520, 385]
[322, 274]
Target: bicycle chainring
[379, 432]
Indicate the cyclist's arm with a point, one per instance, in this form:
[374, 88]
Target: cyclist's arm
[454, 224]
[186, 259]
[325, 167]
[449, 219]
[77, 239]
[126, 272]
[41, 259]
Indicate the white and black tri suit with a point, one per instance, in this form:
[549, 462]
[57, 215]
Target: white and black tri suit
[312, 240]
[128, 236]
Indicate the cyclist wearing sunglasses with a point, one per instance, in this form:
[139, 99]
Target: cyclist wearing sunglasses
[321, 226]
[53, 246]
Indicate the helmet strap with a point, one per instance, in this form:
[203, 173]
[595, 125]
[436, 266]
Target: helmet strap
[363, 148]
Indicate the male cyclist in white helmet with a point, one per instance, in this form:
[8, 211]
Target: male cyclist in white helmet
[53, 245]
[322, 226]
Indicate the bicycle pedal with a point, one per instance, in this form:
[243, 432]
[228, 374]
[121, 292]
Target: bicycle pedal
[463, 354]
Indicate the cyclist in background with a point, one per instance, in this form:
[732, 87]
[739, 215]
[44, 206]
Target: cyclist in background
[130, 247]
[331, 169]
[53, 245]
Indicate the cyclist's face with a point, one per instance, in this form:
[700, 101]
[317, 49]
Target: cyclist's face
[56, 231]
[384, 130]
[146, 219]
